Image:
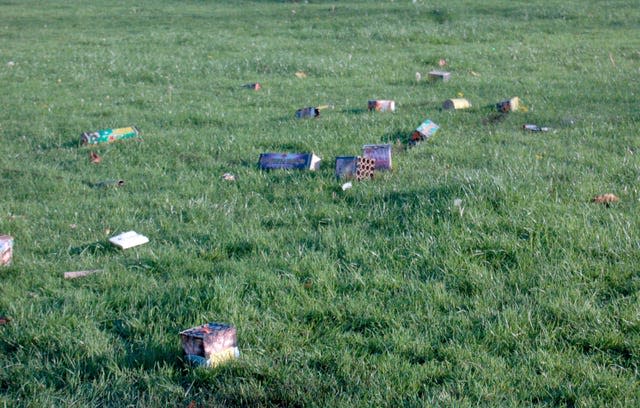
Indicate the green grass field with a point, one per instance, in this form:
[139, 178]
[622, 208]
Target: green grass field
[387, 294]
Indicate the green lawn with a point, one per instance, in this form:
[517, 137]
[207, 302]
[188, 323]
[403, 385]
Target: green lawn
[476, 273]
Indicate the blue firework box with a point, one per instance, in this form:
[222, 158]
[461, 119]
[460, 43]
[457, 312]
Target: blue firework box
[300, 161]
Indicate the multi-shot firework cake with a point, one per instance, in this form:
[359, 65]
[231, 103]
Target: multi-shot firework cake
[354, 167]
[210, 344]
[381, 153]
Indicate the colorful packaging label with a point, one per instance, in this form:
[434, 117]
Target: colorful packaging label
[424, 131]
[208, 339]
[109, 135]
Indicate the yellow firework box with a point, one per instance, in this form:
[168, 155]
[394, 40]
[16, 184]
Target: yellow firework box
[456, 103]
[509, 105]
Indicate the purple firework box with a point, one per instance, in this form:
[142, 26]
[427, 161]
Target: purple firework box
[208, 339]
[302, 161]
[381, 153]
[6, 249]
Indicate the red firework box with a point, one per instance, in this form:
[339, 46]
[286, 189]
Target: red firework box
[214, 342]
[6, 249]
[381, 105]
[381, 153]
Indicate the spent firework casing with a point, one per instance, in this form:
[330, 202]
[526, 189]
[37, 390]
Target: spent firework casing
[354, 167]
[300, 161]
[213, 342]
[381, 153]
[424, 131]
[381, 105]
[310, 112]
[508, 105]
[255, 86]
[456, 103]
[443, 75]
[535, 128]
[6, 249]
[109, 135]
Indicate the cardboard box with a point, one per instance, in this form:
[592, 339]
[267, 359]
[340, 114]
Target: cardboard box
[6, 249]
[210, 344]
[301, 161]
[354, 167]
[381, 153]
[442, 75]
[424, 131]
[381, 105]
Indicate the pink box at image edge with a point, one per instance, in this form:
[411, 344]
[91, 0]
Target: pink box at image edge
[6, 249]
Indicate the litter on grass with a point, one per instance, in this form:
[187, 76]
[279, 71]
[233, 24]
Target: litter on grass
[354, 167]
[6, 249]
[4, 320]
[128, 240]
[229, 177]
[606, 199]
[109, 183]
[381, 105]
[441, 75]
[509, 105]
[94, 158]
[300, 161]
[423, 132]
[534, 128]
[255, 86]
[109, 135]
[210, 344]
[456, 103]
[381, 153]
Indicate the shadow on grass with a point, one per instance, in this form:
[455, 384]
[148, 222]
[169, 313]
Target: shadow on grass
[95, 248]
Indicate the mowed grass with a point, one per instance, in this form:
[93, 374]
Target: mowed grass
[387, 294]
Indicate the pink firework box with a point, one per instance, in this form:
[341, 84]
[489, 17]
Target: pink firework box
[6, 249]
[381, 105]
[209, 339]
[381, 153]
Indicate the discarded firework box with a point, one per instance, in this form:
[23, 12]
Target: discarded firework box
[6, 249]
[442, 75]
[210, 344]
[310, 112]
[535, 128]
[508, 105]
[301, 161]
[354, 167]
[381, 153]
[255, 86]
[128, 240]
[424, 131]
[109, 135]
[456, 103]
[381, 105]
